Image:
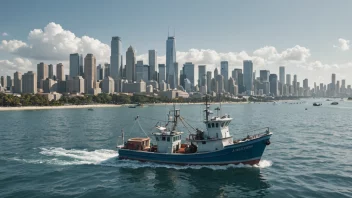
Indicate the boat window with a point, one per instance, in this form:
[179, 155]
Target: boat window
[217, 125]
[168, 139]
[157, 138]
[163, 138]
[209, 125]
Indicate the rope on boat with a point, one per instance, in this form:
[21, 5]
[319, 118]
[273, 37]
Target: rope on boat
[141, 128]
[188, 123]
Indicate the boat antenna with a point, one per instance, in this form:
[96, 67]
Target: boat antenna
[206, 107]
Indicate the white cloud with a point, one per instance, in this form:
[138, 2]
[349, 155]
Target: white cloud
[17, 64]
[4, 34]
[55, 43]
[343, 44]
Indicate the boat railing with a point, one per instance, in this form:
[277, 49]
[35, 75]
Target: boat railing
[253, 134]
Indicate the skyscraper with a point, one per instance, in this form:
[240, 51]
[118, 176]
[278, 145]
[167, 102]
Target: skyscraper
[115, 58]
[100, 72]
[139, 70]
[288, 79]
[29, 82]
[177, 74]
[295, 88]
[42, 70]
[333, 84]
[282, 74]
[224, 65]
[153, 64]
[60, 75]
[89, 73]
[216, 72]
[162, 73]
[264, 75]
[209, 77]
[202, 69]
[273, 84]
[305, 83]
[170, 60]
[51, 71]
[17, 82]
[248, 75]
[3, 82]
[188, 70]
[74, 65]
[131, 64]
[81, 68]
[9, 82]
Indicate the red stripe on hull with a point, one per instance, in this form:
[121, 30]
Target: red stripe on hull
[251, 162]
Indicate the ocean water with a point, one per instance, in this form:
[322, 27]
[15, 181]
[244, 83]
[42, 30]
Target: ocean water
[71, 153]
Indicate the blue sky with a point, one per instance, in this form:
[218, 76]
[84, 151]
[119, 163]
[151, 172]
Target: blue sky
[221, 26]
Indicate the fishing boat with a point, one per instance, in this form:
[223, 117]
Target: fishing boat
[212, 146]
[334, 103]
[317, 104]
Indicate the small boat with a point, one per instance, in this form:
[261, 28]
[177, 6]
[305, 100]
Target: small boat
[213, 146]
[316, 104]
[132, 106]
[90, 109]
[334, 103]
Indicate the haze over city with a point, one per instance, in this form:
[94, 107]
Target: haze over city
[299, 35]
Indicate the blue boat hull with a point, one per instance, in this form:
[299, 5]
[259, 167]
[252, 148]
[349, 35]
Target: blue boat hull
[249, 152]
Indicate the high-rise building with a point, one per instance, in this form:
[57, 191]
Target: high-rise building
[29, 83]
[305, 83]
[288, 79]
[282, 74]
[264, 75]
[81, 63]
[177, 74]
[145, 73]
[100, 72]
[115, 58]
[60, 75]
[139, 70]
[131, 64]
[333, 84]
[43, 72]
[273, 84]
[3, 82]
[162, 73]
[248, 75]
[51, 71]
[89, 73]
[49, 85]
[216, 72]
[188, 70]
[220, 82]
[153, 64]
[225, 69]
[74, 65]
[202, 69]
[108, 85]
[209, 77]
[17, 82]
[78, 84]
[9, 82]
[107, 70]
[295, 87]
[170, 60]
[337, 87]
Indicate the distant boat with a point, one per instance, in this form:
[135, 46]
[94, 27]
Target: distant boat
[334, 103]
[317, 104]
[90, 109]
[132, 106]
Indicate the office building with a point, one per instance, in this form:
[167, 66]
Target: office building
[153, 64]
[81, 67]
[8, 83]
[264, 75]
[248, 76]
[202, 69]
[43, 71]
[273, 84]
[139, 70]
[136, 87]
[170, 60]
[188, 70]
[3, 82]
[162, 73]
[100, 72]
[216, 72]
[29, 83]
[288, 79]
[60, 75]
[74, 65]
[51, 71]
[177, 74]
[78, 85]
[224, 65]
[115, 58]
[49, 85]
[17, 82]
[282, 74]
[130, 64]
[89, 74]
[108, 85]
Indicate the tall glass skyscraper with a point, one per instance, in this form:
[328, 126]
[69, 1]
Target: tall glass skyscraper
[188, 71]
[282, 74]
[115, 58]
[225, 69]
[170, 60]
[153, 64]
[74, 65]
[248, 75]
[202, 69]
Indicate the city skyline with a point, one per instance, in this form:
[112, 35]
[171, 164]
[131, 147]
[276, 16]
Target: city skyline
[50, 40]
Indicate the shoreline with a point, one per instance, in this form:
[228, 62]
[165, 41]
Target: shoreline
[24, 108]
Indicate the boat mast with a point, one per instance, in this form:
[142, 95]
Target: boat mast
[175, 119]
[206, 108]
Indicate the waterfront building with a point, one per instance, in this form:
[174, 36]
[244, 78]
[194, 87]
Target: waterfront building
[74, 65]
[162, 73]
[108, 85]
[89, 74]
[288, 79]
[139, 70]
[282, 74]
[115, 58]
[264, 75]
[81, 67]
[224, 69]
[202, 69]
[60, 75]
[136, 87]
[188, 71]
[153, 64]
[131, 64]
[188, 85]
[162, 86]
[78, 85]
[42, 70]
[100, 72]
[49, 85]
[29, 82]
[273, 84]
[17, 82]
[3, 82]
[248, 75]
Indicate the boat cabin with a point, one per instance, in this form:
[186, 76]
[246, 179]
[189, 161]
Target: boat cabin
[168, 142]
[140, 144]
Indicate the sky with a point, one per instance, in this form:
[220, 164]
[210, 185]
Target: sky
[310, 38]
